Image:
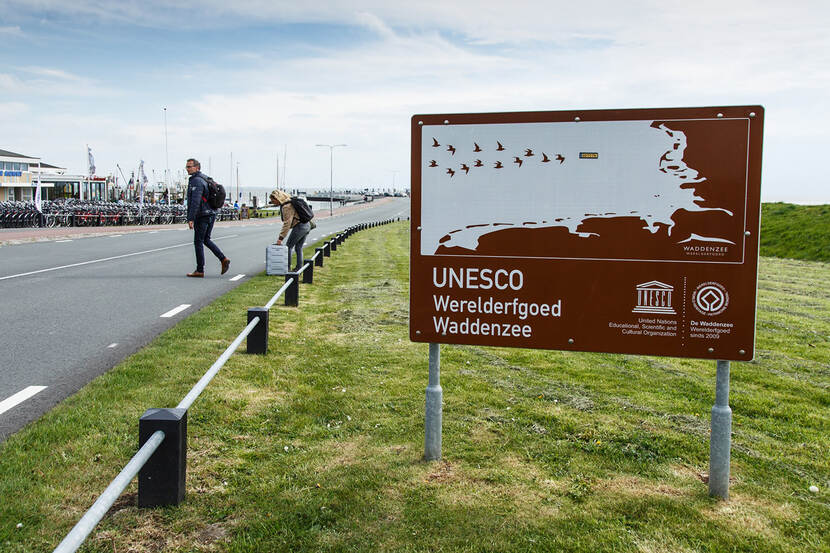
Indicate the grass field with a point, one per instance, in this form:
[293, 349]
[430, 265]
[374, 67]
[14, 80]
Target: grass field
[318, 445]
[796, 231]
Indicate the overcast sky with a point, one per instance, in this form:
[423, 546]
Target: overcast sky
[259, 78]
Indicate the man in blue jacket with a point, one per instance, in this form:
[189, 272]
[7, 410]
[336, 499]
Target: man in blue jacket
[200, 218]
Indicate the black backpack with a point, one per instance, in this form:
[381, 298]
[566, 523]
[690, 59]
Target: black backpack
[215, 193]
[304, 212]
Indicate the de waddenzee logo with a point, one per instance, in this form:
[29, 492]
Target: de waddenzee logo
[710, 298]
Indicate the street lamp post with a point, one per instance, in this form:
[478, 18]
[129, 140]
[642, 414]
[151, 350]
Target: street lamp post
[331, 148]
[167, 159]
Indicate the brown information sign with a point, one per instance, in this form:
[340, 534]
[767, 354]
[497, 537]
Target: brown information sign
[625, 231]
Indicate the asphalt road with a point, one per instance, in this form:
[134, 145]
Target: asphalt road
[72, 309]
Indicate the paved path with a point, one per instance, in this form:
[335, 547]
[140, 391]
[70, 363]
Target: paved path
[74, 305]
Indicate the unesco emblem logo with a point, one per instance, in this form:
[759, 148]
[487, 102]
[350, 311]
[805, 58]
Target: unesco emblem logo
[710, 298]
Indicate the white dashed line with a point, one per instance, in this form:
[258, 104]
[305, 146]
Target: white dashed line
[109, 258]
[115, 235]
[62, 241]
[175, 310]
[237, 277]
[112, 345]
[19, 397]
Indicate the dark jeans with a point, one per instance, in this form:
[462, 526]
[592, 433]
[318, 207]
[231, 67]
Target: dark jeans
[202, 228]
[295, 241]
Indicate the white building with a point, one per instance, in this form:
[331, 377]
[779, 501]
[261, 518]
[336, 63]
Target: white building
[19, 177]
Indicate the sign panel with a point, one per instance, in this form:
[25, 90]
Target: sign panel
[627, 231]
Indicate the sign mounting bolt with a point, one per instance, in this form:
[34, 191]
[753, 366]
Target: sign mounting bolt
[711, 350]
[570, 340]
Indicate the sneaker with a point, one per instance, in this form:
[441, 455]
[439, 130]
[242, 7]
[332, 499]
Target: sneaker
[225, 264]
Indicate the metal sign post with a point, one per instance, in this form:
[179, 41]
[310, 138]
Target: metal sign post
[720, 441]
[434, 409]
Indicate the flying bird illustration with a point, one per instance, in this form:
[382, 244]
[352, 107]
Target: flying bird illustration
[477, 148]
[500, 148]
[434, 143]
[451, 173]
[498, 165]
[433, 163]
[560, 159]
[478, 163]
[465, 168]
[545, 157]
[529, 152]
[518, 160]
[451, 148]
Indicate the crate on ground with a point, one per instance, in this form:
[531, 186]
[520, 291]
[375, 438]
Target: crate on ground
[276, 260]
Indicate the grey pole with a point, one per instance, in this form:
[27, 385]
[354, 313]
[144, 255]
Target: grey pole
[93, 516]
[432, 434]
[721, 436]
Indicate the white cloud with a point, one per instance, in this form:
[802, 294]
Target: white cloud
[11, 31]
[9, 110]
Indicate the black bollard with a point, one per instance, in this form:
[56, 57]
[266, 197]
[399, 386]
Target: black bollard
[308, 274]
[162, 479]
[292, 294]
[333, 243]
[318, 257]
[327, 249]
[258, 338]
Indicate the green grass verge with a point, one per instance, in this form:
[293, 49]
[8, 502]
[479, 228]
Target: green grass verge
[796, 231]
[318, 445]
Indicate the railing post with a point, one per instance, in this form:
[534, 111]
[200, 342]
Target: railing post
[308, 274]
[292, 294]
[318, 260]
[162, 479]
[258, 338]
[333, 243]
[327, 249]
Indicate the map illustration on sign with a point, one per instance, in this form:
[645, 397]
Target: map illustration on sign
[629, 190]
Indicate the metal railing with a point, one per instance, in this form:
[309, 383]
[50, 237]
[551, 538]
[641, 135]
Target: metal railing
[167, 428]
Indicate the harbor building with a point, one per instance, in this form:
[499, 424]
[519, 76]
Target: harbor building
[19, 175]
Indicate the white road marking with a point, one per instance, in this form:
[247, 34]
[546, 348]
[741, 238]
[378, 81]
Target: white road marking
[115, 235]
[112, 345]
[109, 258]
[19, 397]
[62, 241]
[176, 310]
[237, 277]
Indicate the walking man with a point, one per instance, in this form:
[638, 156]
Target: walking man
[200, 218]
